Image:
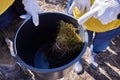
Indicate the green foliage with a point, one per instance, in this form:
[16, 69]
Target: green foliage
[68, 40]
[67, 45]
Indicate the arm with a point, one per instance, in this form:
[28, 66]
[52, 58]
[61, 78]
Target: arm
[104, 10]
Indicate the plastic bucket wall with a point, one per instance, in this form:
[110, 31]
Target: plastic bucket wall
[29, 38]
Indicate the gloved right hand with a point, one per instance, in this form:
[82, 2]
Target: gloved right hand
[81, 4]
[104, 10]
[33, 9]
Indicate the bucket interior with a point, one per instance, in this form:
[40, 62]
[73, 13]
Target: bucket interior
[30, 38]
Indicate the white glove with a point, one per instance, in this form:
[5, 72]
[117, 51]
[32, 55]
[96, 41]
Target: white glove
[33, 9]
[81, 4]
[104, 10]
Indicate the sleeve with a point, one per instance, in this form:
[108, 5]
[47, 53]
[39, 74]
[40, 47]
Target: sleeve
[4, 5]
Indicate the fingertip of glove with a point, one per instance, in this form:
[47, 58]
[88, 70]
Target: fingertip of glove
[24, 16]
[36, 23]
[80, 22]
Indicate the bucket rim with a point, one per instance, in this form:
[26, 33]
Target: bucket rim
[21, 62]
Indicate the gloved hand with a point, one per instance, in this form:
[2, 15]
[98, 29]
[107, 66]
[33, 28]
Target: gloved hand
[104, 10]
[33, 9]
[81, 4]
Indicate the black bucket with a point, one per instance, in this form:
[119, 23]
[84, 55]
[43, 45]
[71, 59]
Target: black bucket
[30, 38]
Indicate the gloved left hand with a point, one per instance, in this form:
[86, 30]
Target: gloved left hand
[33, 9]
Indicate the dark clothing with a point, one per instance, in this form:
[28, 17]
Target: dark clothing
[11, 13]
